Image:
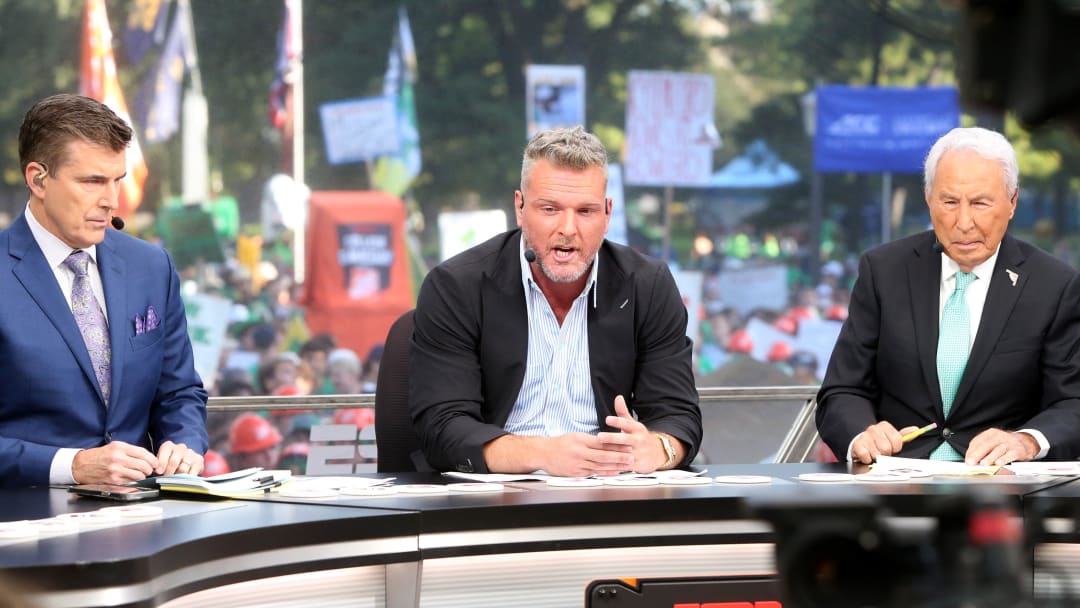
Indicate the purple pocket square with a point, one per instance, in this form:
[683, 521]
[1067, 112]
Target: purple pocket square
[146, 323]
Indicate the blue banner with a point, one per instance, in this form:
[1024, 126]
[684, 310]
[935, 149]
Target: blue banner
[878, 130]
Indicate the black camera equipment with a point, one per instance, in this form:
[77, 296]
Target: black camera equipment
[850, 551]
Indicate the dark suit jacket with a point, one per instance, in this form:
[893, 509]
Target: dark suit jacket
[470, 345]
[1023, 370]
[51, 398]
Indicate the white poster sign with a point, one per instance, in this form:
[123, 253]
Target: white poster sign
[690, 283]
[356, 130]
[669, 129]
[555, 96]
[207, 320]
[745, 289]
[459, 230]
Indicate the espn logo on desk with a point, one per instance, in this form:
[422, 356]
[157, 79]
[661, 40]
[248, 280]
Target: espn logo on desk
[721, 591]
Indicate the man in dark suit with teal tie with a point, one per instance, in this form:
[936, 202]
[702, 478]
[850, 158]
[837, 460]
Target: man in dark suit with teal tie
[100, 384]
[963, 326]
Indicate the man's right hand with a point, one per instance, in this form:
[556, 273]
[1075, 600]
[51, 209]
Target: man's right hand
[881, 439]
[115, 463]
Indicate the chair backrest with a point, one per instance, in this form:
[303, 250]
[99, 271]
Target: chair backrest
[395, 439]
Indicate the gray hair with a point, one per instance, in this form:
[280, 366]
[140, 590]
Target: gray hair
[565, 147]
[988, 144]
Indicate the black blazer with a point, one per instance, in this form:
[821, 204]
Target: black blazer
[470, 345]
[1023, 370]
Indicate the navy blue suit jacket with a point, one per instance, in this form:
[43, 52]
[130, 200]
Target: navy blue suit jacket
[51, 398]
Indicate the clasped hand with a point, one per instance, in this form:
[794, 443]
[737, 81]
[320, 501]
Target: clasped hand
[119, 462]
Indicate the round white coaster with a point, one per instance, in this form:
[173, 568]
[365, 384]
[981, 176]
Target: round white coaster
[827, 477]
[100, 517]
[369, 491]
[56, 527]
[575, 482]
[631, 481]
[743, 479]
[883, 477]
[422, 488]
[137, 511]
[475, 487]
[310, 493]
[17, 530]
[686, 481]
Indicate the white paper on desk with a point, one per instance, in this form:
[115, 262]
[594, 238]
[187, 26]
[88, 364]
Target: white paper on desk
[338, 482]
[541, 476]
[1044, 468]
[933, 467]
[498, 477]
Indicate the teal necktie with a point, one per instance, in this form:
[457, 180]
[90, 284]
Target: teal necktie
[954, 338]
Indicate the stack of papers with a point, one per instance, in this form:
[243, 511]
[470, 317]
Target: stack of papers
[247, 482]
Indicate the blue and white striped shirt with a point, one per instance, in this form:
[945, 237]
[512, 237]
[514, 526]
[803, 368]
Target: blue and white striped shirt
[556, 395]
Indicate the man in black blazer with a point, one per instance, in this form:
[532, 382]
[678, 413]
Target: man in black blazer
[1018, 397]
[549, 348]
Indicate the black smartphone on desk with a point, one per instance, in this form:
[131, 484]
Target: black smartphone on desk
[114, 492]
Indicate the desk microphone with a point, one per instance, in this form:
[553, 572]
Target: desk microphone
[530, 256]
[117, 222]
[938, 247]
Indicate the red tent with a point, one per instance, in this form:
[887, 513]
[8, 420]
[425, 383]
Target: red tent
[357, 277]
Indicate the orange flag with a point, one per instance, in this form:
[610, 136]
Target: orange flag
[97, 80]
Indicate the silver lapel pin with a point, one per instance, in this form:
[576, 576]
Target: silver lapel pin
[1012, 276]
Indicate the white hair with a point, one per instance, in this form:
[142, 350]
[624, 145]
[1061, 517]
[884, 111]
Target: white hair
[988, 144]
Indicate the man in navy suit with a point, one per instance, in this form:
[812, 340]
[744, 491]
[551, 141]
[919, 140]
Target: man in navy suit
[1017, 394]
[549, 347]
[73, 410]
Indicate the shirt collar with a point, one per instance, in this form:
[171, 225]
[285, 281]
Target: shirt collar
[55, 250]
[949, 267]
[526, 271]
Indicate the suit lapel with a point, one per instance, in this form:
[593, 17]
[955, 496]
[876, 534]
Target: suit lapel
[505, 316]
[33, 272]
[924, 276]
[112, 269]
[1001, 297]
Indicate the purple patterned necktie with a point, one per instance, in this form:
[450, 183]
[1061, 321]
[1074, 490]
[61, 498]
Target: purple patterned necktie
[95, 331]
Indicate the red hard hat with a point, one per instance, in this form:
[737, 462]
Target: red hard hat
[780, 351]
[740, 342]
[251, 433]
[802, 313]
[787, 324]
[214, 464]
[286, 390]
[360, 416]
[296, 449]
[837, 312]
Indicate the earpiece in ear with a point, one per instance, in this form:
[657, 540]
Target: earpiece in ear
[40, 177]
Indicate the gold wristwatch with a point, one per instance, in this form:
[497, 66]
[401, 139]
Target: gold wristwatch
[668, 449]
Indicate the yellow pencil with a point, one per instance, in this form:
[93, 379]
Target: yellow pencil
[914, 434]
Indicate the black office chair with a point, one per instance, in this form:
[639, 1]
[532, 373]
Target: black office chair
[395, 439]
